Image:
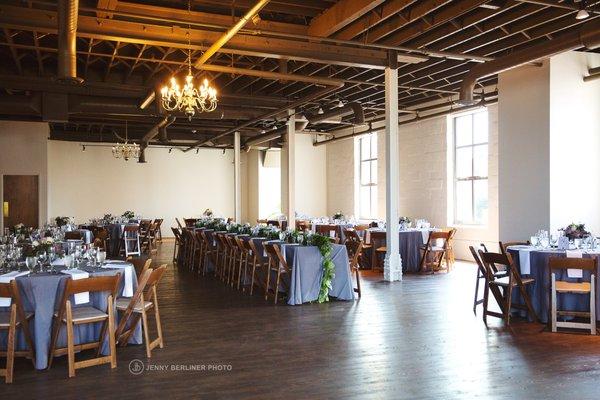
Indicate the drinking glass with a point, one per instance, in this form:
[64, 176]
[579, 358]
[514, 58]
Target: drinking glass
[69, 261]
[101, 257]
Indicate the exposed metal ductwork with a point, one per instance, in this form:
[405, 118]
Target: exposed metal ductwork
[67, 41]
[335, 115]
[267, 137]
[588, 36]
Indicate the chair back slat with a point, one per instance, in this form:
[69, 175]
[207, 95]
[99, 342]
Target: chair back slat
[496, 258]
[93, 284]
[274, 252]
[505, 245]
[354, 251]
[6, 290]
[589, 264]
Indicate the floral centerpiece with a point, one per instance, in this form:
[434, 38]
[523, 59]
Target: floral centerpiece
[128, 214]
[107, 219]
[268, 232]
[20, 230]
[404, 222]
[37, 248]
[575, 231]
[338, 215]
[62, 221]
[207, 213]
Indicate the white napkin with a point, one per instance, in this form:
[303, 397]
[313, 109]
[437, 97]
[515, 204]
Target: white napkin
[128, 276]
[574, 273]
[525, 261]
[7, 278]
[83, 297]
[331, 234]
[425, 234]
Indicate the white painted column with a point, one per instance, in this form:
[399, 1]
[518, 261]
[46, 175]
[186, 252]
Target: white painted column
[237, 192]
[288, 171]
[392, 269]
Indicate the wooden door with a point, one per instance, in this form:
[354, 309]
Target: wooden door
[21, 200]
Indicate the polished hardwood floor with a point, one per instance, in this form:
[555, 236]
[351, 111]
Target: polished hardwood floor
[412, 340]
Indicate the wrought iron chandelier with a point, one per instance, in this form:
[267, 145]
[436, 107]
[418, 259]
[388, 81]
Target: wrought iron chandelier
[189, 99]
[126, 150]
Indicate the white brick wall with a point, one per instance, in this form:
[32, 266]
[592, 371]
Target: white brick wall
[423, 175]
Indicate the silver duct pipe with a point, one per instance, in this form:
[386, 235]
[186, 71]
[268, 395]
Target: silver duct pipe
[330, 116]
[588, 35]
[67, 41]
[267, 137]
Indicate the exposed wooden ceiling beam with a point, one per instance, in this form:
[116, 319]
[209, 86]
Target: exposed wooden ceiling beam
[339, 15]
[106, 5]
[172, 36]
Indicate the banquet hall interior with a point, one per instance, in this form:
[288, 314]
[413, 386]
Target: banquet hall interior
[386, 199]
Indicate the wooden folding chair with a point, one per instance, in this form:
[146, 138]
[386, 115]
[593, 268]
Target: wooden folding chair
[505, 245]
[140, 265]
[277, 265]
[329, 230]
[243, 260]
[234, 252]
[352, 235]
[177, 245]
[209, 252]
[190, 222]
[482, 274]
[587, 288]
[136, 307]
[11, 321]
[178, 223]
[378, 237]
[73, 235]
[258, 262]
[131, 240]
[72, 316]
[505, 285]
[354, 252]
[434, 254]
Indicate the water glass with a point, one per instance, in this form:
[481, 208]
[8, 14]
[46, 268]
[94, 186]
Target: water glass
[69, 261]
[101, 257]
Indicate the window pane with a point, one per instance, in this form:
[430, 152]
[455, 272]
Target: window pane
[464, 166]
[365, 149]
[374, 145]
[463, 202]
[365, 194]
[365, 173]
[480, 205]
[480, 160]
[464, 131]
[373, 212]
[480, 135]
[374, 172]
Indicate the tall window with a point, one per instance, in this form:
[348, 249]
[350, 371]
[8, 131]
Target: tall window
[471, 168]
[368, 176]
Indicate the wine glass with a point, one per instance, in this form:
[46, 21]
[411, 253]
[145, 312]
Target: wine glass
[101, 257]
[69, 261]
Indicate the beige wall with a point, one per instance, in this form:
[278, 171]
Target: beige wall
[311, 177]
[340, 177]
[23, 152]
[87, 184]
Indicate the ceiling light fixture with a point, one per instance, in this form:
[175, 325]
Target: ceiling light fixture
[189, 99]
[320, 111]
[125, 150]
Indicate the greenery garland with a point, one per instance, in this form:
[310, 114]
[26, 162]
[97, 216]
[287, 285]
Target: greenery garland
[324, 245]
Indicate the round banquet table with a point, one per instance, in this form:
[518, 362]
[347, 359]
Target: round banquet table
[41, 294]
[409, 243]
[540, 289]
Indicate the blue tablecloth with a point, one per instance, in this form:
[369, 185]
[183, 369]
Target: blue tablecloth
[539, 291]
[306, 265]
[41, 295]
[409, 243]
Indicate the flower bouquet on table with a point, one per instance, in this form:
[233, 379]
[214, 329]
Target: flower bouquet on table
[107, 219]
[575, 231]
[128, 215]
[267, 231]
[404, 223]
[338, 216]
[62, 221]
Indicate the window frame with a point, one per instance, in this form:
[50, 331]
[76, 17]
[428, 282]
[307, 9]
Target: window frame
[472, 178]
[372, 184]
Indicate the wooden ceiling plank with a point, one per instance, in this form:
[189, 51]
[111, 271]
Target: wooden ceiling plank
[339, 15]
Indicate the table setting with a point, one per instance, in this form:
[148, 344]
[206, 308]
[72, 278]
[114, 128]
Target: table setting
[41, 269]
[532, 261]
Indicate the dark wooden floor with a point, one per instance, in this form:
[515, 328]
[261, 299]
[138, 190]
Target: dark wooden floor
[412, 340]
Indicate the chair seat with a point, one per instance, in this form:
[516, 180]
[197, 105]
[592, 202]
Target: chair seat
[504, 281]
[573, 287]
[123, 303]
[5, 319]
[86, 314]
[381, 249]
[432, 248]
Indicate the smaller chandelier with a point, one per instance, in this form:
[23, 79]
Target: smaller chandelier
[126, 150]
[189, 99]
